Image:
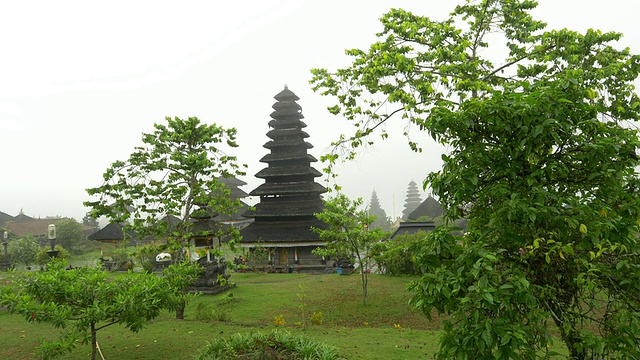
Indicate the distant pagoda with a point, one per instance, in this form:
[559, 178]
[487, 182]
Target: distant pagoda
[289, 196]
[412, 201]
[235, 193]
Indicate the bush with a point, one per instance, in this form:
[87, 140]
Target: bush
[316, 318]
[146, 255]
[275, 345]
[121, 259]
[24, 250]
[43, 257]
[218, 311]
[397, 256]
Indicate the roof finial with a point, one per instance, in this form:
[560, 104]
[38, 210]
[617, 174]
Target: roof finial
[286, 87]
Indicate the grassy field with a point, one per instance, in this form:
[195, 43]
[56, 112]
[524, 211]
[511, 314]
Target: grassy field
[385, 328]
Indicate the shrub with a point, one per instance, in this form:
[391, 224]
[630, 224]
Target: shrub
[218, 311]
[274, 345]
[316, 318]
[24, 250]
[121, 259]
[397, 256]
[43, 257]
[146, 255]
[279, 320]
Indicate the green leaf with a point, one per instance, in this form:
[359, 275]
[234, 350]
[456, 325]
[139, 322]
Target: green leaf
[505, 340]
[583, 228]
[488, 297]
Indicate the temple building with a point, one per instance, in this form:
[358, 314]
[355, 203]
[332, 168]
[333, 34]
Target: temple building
[236, 219]
[289, 196]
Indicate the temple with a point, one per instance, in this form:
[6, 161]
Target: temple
[289, 196]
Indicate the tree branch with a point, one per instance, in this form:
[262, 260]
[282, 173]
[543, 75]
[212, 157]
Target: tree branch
[105, 325]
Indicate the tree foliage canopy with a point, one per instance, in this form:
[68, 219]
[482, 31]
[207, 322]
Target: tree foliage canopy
[542, 159]
[175, 172]
[70, 235]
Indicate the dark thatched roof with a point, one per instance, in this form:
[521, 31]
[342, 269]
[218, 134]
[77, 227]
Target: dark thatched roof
[430, 207]
[288, 171]
[295, 188]
[208, 227]
[22, 217]
[287, 110]
[286, 95]
[287, 121]
[410, 228]
[111, 232]
[236, 216]
[4, 217]
[171, 220]
[33, 227]
[297, 143]
[282, 231]
[289, 132]
[288, 158]
[285, 208]
[231, 181]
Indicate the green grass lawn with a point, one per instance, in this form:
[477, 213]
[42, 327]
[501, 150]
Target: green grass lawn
[385, 328]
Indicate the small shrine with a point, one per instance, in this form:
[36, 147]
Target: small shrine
[208, 231]
[110, 237]
[289, 196]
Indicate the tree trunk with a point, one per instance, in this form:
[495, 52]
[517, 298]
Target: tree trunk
[94, 341]
[180, 311]
[571, 337]
[571, 340]
[365, 280]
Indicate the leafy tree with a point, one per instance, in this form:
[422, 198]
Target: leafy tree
[177, 282]
[83, 301]
[349, 234]
[175, 172]
[70, 234]
[542, 159]
[24, 250]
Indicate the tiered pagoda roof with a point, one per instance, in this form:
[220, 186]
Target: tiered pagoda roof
[289, 197]
[233, 184]
[412, 201]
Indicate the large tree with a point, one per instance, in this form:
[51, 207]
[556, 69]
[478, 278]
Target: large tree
[349, 234]
[174, 173]
[542, 160]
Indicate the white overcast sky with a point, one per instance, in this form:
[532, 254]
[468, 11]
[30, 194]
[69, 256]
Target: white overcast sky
[80, 81]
